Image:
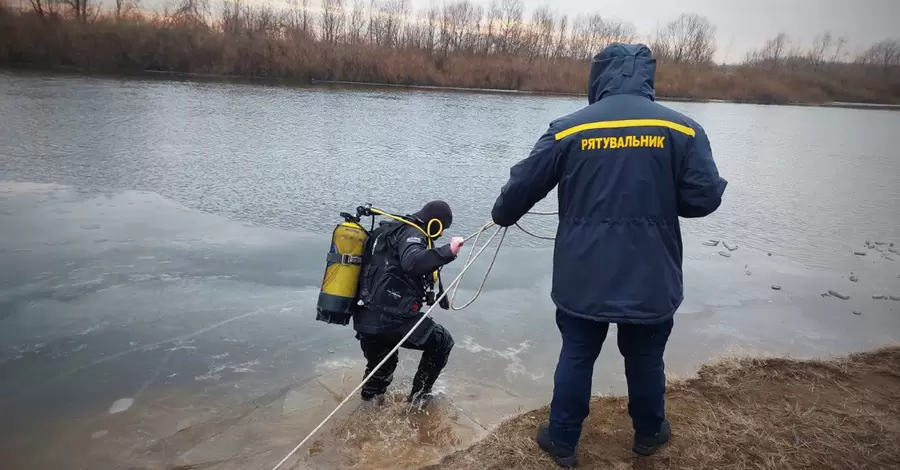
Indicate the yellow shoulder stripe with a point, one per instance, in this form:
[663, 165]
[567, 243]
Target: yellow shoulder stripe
[625, 123]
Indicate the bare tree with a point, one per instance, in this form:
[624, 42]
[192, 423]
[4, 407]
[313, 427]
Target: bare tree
[378, 23]
[562, 32]
[492, 28]
[232, 22]
[262, 20]
[306, 21]
[460, 26]
[396, 13]
[474, 37]
[387, 19]
[511, 15]
[885, 55]
[445, 33]
[592, 33]
[299, 20]
[357, 26]
[79, 9]
[540, 38]
[773, 54]
[332, 20]
[578, 46]
[619, 31]
[816, 53]
[690, 38]
[38, 7]
[826, 49]
[414, 32]
[191, 11]
[837, 49]
[430, 38]
[126, 7]
[371, 34]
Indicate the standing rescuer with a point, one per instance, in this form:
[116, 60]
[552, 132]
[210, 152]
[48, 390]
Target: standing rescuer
[398, 272]
[626, 168]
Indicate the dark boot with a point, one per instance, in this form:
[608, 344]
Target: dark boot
[420, 396]
[563, 457]
[421, 399]
[373, 399]
[647, 445]
[435, 354]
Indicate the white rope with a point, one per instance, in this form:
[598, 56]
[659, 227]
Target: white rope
[454, 286]
[469, 260]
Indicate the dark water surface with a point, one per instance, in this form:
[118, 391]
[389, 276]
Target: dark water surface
[161, 248]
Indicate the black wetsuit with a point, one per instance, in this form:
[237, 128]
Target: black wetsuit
[397, 273]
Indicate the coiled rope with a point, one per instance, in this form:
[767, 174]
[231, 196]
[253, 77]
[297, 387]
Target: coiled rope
[452, 290]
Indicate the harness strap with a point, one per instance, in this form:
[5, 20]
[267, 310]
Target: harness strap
[344, 259]
[428, 237]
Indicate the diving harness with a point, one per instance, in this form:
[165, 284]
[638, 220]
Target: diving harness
[339, 297]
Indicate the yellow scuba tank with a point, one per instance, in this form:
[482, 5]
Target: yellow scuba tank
[338, 296]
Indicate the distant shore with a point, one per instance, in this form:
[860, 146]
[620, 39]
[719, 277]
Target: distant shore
[292, 47]
[222, 78]
[833, 104]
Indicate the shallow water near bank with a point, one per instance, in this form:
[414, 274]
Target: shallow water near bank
[162, 247]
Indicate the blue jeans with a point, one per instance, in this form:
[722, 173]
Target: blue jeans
[642, 346]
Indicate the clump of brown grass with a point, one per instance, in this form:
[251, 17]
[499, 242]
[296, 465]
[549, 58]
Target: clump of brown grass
[740, 413]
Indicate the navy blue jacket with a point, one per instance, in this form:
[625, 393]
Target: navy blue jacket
[627, 168]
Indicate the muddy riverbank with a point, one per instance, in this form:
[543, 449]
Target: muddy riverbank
[738, 413]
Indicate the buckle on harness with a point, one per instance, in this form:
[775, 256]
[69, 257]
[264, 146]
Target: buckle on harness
[344, 259]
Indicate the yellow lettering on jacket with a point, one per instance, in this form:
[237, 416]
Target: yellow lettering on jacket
[629, 141]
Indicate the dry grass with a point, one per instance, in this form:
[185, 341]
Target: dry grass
[137, 44]
[737, 414]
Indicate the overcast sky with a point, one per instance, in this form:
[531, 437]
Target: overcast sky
[744, 25]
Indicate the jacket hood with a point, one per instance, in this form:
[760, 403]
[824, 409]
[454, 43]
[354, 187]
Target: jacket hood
[622, 69]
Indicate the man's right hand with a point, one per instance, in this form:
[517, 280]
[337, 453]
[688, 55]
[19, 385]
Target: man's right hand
[456, 244]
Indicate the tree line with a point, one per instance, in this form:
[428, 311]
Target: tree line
[501, 31]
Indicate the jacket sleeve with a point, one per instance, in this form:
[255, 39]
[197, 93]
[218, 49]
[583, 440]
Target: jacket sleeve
[415, 256]
[700, 187]
[529, 181]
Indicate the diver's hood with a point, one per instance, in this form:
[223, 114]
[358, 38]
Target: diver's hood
[435, 210]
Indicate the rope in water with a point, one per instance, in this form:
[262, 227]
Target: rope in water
[454, 287]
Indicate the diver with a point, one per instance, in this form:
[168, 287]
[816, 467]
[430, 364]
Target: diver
[399, 273]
